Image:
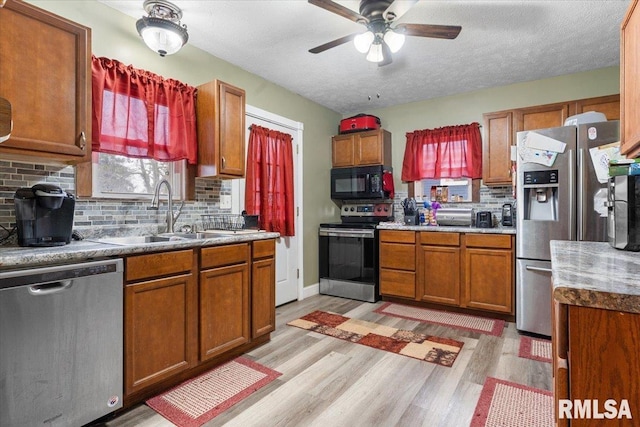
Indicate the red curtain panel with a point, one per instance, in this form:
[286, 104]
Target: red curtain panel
[446, 152]
[140, 114]
[269, 183]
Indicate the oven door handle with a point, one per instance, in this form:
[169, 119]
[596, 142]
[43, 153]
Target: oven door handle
[365, 234]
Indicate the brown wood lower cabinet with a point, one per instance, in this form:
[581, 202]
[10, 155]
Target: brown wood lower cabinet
[160, 333]
[263, 291]
[473, 271]
[186, 310]
[596, 358]
[439, 268]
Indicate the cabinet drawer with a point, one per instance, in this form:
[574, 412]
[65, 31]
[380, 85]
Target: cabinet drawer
[439, 238]
[398, 236]
[224, 255]
[156, 265]
[497, 241]
[397, 283]
[398, 256]
[264, 248]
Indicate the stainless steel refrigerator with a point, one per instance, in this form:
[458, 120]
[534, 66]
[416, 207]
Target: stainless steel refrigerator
[561, 201]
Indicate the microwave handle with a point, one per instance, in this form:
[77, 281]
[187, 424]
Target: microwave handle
[367, 184]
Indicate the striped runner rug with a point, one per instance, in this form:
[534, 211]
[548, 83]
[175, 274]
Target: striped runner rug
[506, 404]
[455, 320]
[200, 399]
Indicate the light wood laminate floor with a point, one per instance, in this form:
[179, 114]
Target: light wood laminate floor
[329, 382]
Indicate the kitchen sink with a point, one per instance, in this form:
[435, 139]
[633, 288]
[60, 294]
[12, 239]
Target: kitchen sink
[164, 237]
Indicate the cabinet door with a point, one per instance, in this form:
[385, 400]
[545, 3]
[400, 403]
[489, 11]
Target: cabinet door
[160, 330]
[496, 148]
[542, 117]
[489, 279]
[439, 274]
[342, 151]
[231, 133]
[263, 297]
[224, 309]
[629, 84]
[220, 121]
[51, 110]
[608, 105]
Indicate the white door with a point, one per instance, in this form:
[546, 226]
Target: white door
[288, 249]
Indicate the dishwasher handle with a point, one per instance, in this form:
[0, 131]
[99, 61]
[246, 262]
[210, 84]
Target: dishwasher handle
[50, 288]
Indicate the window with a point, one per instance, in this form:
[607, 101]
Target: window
[123, 177]
[445, 190]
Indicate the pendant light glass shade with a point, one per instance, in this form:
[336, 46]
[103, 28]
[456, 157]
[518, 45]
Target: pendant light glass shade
[363, 41]
[161, 30]
[375, 52]
[393, 40]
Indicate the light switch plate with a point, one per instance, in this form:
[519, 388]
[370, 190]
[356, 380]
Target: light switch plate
[225, 201]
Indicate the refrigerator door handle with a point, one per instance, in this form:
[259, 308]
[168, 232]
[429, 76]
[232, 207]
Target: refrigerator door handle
[531, 268]
[572, 197]
[581, 206]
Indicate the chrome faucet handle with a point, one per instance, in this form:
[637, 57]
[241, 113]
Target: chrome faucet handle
[177, 214]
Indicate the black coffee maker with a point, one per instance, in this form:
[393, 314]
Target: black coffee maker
[44, 215]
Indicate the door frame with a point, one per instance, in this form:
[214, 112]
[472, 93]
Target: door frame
[297, 131]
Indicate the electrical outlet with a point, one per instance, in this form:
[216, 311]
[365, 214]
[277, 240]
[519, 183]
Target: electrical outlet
[225, 201]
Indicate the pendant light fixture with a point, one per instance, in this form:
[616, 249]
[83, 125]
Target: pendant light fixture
[161, 30]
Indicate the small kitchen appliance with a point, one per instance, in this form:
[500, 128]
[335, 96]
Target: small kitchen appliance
[507, 215]
[359, 183]
[623, 222]
[44, 215]
[359, 123]
[460, 217]
[484, 219]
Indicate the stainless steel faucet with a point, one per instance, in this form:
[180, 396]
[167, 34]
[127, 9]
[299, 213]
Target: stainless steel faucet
[155, 203]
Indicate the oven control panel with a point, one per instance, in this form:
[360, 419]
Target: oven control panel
[367, 209]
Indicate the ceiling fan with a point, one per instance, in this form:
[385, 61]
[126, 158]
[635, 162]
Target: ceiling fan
[381, 38]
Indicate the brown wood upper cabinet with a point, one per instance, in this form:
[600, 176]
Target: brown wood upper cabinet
[220, 112]
[361, 149]
[50, 96]
[629, 86]
[501, 128]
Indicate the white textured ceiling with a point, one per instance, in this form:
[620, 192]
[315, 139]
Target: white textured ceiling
[501, 42]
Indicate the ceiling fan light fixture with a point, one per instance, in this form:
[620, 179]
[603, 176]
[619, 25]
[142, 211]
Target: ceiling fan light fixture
[394, 40]
[161, 30]
[363, 41]
[375, 52]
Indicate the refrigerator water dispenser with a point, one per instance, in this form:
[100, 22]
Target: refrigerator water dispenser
[541, 195]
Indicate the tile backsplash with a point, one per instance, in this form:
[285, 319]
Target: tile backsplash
[96, 217]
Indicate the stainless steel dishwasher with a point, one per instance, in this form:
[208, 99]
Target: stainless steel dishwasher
[61, 344]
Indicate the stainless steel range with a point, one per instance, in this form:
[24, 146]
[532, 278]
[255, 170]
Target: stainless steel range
[349, 251]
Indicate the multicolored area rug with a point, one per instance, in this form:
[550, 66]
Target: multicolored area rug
[506, 404]
[536, 349]
[200, 399]
[442, 351]
[454, 320]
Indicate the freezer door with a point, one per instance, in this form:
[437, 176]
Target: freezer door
[533, 296]
[546, 197]
[592, 191]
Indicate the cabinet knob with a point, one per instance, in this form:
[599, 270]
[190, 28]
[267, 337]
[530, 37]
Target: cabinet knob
[82, 142]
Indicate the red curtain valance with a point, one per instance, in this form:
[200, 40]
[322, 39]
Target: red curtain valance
[269, 184]
[137, 113]
[446, 152]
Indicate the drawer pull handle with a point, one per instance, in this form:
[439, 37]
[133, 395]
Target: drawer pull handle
[530, 268]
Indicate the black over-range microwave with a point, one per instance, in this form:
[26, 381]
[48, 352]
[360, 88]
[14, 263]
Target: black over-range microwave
[363, 182]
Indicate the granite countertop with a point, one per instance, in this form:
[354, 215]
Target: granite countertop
[78, 251]
[594, 274]
[449, 228]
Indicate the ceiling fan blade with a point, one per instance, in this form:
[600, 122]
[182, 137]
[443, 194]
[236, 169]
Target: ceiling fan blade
[333, 43]
[338, 9]
[386, 55]
[434, 31]
[398, 8]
